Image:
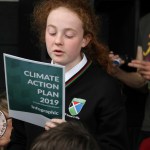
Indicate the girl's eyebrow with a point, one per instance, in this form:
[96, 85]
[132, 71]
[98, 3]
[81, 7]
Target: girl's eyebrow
[66, 29]
[50, 25]
[70, 29]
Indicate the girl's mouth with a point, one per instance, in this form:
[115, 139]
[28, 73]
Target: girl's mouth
[58, 52]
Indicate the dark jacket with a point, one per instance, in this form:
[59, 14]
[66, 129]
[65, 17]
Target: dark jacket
[92, 97]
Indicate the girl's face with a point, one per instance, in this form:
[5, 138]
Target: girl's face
[64, 37]
[5, 139]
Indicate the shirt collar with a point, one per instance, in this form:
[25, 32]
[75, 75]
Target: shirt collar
[75, 69]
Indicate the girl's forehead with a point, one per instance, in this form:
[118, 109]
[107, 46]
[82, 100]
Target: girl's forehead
[63, 16]
[64, 9]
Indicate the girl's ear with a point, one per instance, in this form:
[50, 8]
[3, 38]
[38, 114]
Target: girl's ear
[86, 40]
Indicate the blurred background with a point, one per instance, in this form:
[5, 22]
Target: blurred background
[119, 29]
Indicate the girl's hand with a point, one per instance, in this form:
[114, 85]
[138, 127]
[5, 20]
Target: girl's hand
[53, 123]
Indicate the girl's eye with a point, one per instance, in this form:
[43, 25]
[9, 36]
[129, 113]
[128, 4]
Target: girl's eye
[69, 36]
[52, 33]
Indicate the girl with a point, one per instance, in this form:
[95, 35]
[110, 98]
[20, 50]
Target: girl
[93, 97]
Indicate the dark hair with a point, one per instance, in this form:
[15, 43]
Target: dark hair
[66, 136]
[95, 50]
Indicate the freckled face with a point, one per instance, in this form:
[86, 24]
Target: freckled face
[64, 37]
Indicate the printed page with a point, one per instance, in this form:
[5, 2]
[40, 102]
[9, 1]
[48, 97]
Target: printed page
[35, 90]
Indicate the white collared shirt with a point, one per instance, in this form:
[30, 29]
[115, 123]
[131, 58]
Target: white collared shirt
[75, 69]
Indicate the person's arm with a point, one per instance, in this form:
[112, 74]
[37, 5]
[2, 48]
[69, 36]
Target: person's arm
[132, 79]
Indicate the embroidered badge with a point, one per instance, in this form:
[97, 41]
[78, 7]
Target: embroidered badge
[76, 106]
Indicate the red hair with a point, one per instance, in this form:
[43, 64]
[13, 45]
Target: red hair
[95, 50]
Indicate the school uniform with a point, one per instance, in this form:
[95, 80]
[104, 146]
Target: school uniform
[92, 97]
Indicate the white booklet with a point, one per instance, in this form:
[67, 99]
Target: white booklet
[35, 90]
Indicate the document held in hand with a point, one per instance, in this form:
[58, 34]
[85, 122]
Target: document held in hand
[35, 90]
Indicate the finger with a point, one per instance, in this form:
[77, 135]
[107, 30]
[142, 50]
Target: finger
[49, 125]
[111, 52]
[142, 67]
[143, 72]
[47, 128]
[146, 77]
[135, 65]
[57, 121]
[122, 62]
[142, 63]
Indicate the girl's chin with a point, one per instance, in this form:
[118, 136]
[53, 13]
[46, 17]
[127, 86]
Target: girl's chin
[59, 63]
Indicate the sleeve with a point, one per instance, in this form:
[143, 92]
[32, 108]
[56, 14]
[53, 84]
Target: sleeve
[18, 136]
[111, 114]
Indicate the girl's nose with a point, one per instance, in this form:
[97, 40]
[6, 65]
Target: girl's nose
[59, 40]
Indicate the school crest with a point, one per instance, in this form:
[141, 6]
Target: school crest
[76, 106]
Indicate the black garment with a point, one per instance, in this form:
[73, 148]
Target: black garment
[103, 110]
[144, 42]
[144, 36]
